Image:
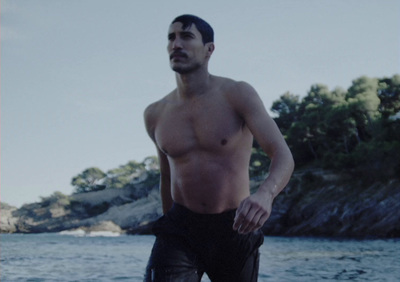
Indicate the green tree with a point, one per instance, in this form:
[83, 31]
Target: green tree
[286, 109]
[151, 163]
[363, 103]
[56, 197]
[389, 94]
[354, 129]
[123, 175]
[87, 180]
[312, 130]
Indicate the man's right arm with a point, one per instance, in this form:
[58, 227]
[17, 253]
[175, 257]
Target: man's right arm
[150, 119]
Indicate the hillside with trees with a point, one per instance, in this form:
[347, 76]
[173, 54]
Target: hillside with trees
[355, 130]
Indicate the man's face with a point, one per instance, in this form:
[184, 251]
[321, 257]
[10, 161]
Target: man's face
[186, 49]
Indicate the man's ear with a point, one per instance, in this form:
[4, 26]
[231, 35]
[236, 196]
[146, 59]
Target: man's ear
[210, 48]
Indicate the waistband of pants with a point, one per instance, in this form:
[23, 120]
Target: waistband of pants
[179, 210]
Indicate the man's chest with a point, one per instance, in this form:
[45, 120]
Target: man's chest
[200, 126]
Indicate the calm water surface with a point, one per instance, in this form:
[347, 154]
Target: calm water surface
[56, 257]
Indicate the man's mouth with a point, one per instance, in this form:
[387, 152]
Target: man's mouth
[177, 55]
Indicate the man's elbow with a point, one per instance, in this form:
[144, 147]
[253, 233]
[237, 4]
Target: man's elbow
[285, 157]
[289, 158]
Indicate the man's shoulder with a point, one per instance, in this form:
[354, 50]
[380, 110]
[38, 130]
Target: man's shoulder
[156, 107]
[240, 95]
[235, 91]
[225, 83]
[153, 112]
[231, 86]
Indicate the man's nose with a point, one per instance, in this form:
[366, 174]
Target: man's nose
[177, 44]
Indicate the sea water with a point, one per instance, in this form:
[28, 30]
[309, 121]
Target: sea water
[78, 256]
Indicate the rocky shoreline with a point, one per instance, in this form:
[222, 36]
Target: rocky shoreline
[114, 210]
[315, 203]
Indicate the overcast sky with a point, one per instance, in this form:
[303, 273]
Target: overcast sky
[77, 75]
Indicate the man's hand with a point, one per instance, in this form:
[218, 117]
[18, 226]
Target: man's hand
[253, 212]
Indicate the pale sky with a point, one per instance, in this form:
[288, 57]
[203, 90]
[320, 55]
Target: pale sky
[77, 75]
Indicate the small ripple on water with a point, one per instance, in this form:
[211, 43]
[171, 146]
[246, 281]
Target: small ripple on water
[349, 274]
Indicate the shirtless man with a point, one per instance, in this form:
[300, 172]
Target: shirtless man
[203, 131]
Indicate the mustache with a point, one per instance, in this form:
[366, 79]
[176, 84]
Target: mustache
[178, 53]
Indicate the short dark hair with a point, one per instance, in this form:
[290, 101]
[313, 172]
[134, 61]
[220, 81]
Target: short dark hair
[206, 31]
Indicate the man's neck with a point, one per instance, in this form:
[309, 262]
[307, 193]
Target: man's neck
[192, 84]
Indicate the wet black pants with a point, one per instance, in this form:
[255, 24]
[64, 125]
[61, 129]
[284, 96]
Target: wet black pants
[189, 244]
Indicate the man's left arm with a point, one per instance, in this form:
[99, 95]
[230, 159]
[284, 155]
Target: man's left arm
[254, 211]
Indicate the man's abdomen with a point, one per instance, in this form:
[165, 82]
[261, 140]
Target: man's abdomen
[209, 186]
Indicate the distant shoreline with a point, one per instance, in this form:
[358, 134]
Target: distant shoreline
[316, 203]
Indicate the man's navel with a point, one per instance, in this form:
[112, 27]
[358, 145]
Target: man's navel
[223, 142]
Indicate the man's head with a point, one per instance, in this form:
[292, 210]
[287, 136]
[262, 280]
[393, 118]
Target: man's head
[190, 44]
[206, 31]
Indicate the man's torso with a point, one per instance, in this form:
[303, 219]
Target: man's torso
[208, 147]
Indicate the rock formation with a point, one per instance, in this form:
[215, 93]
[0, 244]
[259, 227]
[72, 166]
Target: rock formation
[315, 203]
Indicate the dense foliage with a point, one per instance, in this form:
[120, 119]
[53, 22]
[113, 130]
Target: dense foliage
[356, 129]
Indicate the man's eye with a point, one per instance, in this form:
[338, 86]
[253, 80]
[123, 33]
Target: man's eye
[187, 35]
